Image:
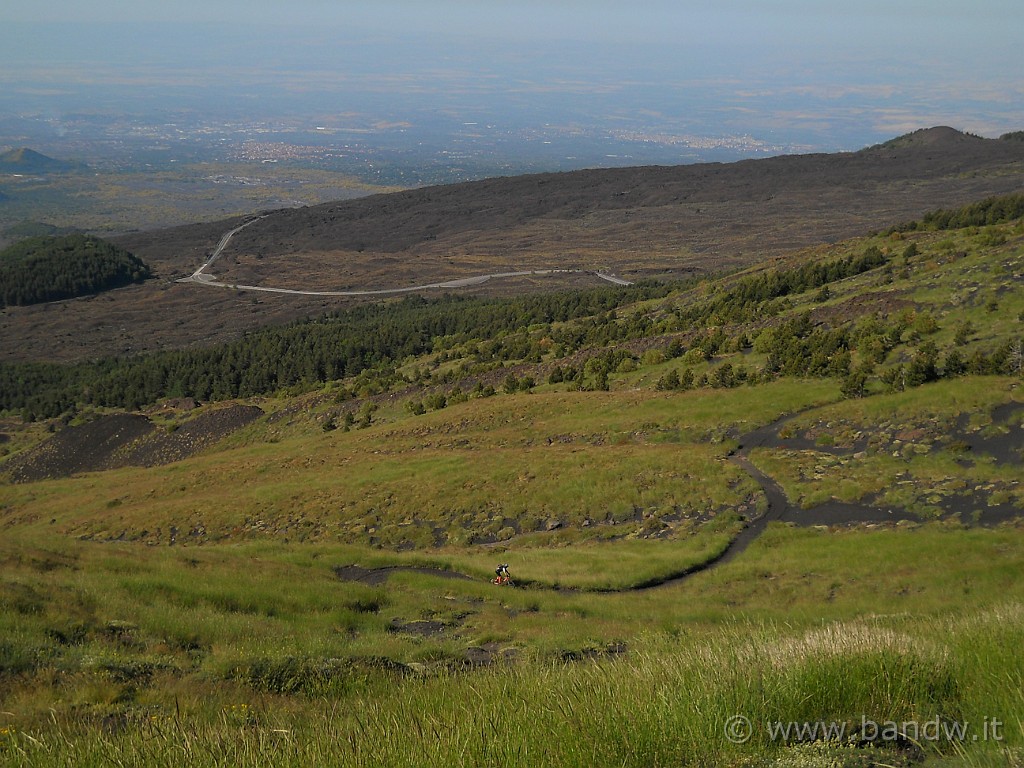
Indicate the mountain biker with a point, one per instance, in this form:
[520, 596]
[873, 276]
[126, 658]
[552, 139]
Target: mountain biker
[503, 576]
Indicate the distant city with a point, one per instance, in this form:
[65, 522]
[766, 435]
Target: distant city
[262, 107]
[374, 151]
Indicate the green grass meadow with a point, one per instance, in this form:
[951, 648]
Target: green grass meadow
[195, 614]
[121, 645]
[251, 655]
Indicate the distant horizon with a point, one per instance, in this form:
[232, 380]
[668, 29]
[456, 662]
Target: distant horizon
[671, 80]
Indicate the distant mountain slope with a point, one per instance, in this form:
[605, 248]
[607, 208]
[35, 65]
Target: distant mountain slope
[633, 222]
[24, 229]
[941, 137]
[26, 160]
[670, 208]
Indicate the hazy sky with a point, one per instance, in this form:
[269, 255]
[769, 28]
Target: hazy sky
[975, 24]
[808, 66]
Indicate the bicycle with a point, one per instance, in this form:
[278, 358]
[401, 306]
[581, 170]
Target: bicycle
[503, 578]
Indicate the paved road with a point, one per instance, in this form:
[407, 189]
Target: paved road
[199, 275]
[464, 282]
[612, 279]
[202, 278]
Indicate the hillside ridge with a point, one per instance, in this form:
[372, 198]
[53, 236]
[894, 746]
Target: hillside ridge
[25, 160]
[662, 222]
[420, 216]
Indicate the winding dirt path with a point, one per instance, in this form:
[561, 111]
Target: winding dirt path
[778, 505]
[778, 508]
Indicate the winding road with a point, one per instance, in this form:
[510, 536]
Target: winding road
[201, 277]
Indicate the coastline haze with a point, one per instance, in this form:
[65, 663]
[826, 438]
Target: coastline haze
[799, 76]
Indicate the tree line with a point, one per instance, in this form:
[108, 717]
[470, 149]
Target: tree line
[992, 210]
[303, 354]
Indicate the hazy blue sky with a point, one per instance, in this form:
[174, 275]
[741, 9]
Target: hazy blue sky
[802, 69]
[973, 25]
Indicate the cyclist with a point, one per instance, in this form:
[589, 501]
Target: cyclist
[503, 576]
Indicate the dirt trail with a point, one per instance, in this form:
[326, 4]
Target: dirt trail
[778, 508]
[778, 505]
[376, 576]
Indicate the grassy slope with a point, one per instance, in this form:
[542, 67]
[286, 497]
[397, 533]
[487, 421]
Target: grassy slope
[403, 479]
[246, 653]
[248, 650]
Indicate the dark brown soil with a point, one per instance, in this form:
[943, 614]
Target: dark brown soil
[636, 222]
[121, 440]
[1002, 442]
[420, 628]
[774, 203]
[377, 576]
